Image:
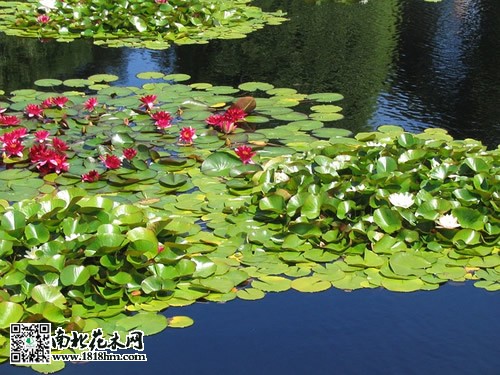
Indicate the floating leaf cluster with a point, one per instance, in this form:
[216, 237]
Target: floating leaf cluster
[135, 23]
[141, 221]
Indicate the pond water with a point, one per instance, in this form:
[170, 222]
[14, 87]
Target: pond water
[409, 63]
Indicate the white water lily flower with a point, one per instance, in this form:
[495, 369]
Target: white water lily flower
[280, 177]
[378, 236]
[448, 221]
[343, 158]
[47, 5]
[31, 254]
[359, 187]
[404, 200]
[375, 144]
[72, 237]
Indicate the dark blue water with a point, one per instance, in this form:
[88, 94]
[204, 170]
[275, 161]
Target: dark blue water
[453, 330]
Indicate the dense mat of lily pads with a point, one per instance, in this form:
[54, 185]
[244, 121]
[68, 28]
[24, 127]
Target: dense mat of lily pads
[135, 199]
[151, 24]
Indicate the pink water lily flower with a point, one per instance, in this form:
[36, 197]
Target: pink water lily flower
[91, 176]
[47, 103]
[163, 119]
[148, 101]
[60, 101]
[12, 143]
[14, 135]
[129, 153]
[187, 135]
[227, 122]
[42, 135]
[111, 161]
[38, 152]
[245, 153]
[43, 19]
[235, 114]
[58, 163]
[59, 145]
[90, 104]
[15, 148]
[9, 120]
[33, 110]
[48, 160]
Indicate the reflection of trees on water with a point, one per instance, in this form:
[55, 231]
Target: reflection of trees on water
[328, 47]
[448, 66]
[24, 60]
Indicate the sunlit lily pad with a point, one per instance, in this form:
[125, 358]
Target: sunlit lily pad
[48, 82]
[310, 284]
[180, 321]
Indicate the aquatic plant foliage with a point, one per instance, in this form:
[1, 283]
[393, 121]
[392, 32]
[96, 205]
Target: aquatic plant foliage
[135, 23]
[120, 202]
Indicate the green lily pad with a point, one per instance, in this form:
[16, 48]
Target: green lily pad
[11, 313]
[180, 321]
[272, 284]
[326, 97]
[396, 285]
[103, 78]
[310, 284]
[219, 164]
[74, 275]
[254, 86]
[177, 77]
[48, 82]
[250, 294]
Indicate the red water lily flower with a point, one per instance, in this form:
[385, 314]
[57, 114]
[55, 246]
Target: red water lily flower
[43, 19]
[226, 122]
[33, 110]
[111, 161]
[38, 152]
[59, 145]
[92, 176]
[14, 148]
[148, 101]
[187, 135]
[163, 119]
[48, 160]
[129, 153]
[60, 101]
[9, 120]
[90, 104]
[215, 120]
[47, 103]
[14, 135]
[12, 143]
[58, 163]
[161, 1]
[235, 114]
[245, 153]
[42, 135]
